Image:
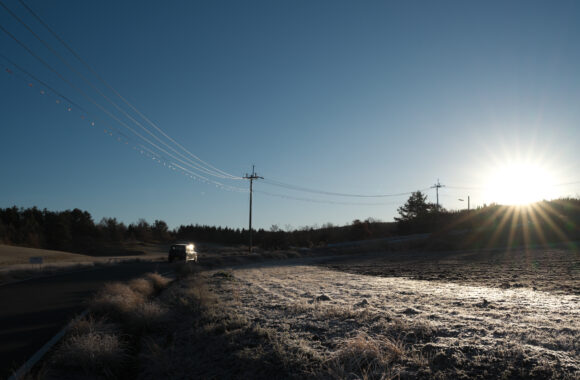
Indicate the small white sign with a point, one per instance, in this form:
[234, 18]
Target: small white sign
[35, 260]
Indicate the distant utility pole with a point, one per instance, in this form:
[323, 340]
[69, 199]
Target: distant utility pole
[436, 187]
[468, 200]
[251, 178]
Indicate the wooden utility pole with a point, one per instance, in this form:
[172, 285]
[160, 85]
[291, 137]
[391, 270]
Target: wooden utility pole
[436, 187]
[251, 177]
[468, 200]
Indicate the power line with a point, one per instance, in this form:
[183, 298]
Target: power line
[142, 148]
[91, 85]
[464, 188]
[323, 192]
[59, 94]
[312, 200]
[41, 82]
[223, 186]
[85, 95]
[212, 169]
[159, 158]
[167, 162]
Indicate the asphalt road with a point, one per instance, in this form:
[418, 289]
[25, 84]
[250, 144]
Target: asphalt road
[33, 311]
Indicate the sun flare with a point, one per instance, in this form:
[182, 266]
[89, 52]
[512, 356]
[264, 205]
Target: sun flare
[519, 183]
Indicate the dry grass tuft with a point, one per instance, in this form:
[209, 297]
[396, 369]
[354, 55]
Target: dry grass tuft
[365, 357]
[340, 312]
[90, 324]
[142, 286]
[115, 300]
[119, 300]
[93, 347]
[188, 296]
[148, 316]
[158, 281]
[414, 331]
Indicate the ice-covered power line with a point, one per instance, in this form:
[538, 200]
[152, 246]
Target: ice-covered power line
[36, 79]
[95, 103]
[109, 129]
[178, 156]
[168, 159]
[109, 100]
[201, 165]
[175, 158]
[224, 186]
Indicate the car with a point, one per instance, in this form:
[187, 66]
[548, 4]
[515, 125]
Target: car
[182, 252]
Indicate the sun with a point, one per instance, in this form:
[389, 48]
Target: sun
[519, 183]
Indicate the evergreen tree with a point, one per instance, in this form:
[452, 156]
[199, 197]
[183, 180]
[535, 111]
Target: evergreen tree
[416, 207]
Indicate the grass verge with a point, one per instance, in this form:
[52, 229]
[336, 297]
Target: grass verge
[105, 343]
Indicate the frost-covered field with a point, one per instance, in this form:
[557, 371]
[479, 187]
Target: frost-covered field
[493, 315]
[350, 325]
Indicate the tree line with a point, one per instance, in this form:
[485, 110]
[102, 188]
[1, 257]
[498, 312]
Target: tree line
[75, 230]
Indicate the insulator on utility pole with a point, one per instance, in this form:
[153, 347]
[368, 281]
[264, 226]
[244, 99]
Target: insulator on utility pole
[251, 177]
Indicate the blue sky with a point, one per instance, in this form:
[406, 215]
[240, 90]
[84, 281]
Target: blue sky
[368, 98]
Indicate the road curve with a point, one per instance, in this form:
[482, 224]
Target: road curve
[33, 311]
